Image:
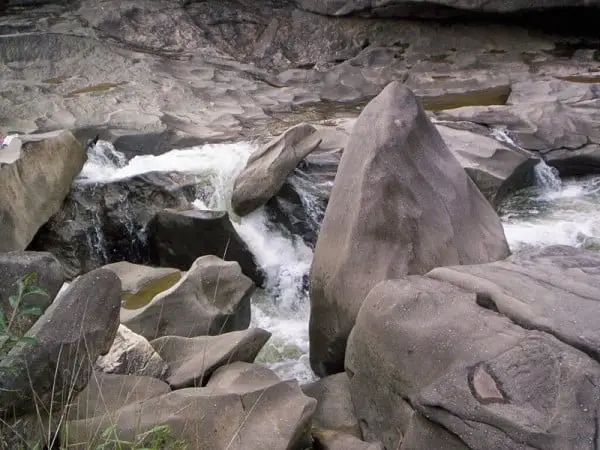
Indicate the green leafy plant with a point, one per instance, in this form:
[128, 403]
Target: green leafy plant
[20, 308]
[158, 438]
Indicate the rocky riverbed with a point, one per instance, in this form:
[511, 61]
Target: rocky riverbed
[225, 201]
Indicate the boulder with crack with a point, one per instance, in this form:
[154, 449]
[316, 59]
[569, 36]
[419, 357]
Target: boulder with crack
[213, 297]
[496, 355]
[401, 204]
[105, 222]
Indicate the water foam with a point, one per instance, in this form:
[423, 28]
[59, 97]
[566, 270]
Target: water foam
[282, 307]
[567, 215]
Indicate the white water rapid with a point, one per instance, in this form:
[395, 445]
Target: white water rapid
[282, 307]
[553, 212]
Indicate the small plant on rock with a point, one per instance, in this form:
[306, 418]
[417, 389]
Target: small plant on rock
[158, 438]
[20, 308]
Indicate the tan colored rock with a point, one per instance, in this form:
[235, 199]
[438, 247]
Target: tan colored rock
[269, 166]
[33, 187]
[246, 408]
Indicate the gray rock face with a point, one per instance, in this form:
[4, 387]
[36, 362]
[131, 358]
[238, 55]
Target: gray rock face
[244, 407]
[33, 187]
[131, 354]
[15, 265]
[212, 298]
[495, 168]
[178, 238]
[77, 327]
[501, 355]
[401, 204]
[104, 223]
[106, 393]
[433, 8]
[335, 410]
[269, 166]
[193, 360]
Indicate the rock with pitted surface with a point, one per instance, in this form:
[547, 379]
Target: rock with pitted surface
[213, 297]
[132, 354]
[34, 186]
[401, 204]
[497, 355]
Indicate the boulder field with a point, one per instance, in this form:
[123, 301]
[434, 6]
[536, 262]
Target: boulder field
[425, 331]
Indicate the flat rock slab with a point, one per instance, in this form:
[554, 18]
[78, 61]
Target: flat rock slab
[501, 355]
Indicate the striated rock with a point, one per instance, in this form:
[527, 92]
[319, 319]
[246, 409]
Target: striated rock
[178, 238]
[401, 204]
[212, 298]
[33, 187]
[497, 355]
[131, 354]
[56, 363]
[193, 360]
[269, 166]
[244, 407]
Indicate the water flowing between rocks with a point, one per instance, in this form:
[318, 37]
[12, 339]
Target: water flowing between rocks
[554, 211]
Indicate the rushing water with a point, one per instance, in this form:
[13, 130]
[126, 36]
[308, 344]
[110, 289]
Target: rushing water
[553, 212]
[282, 307]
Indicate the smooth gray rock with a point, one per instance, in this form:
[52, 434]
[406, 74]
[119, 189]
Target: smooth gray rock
[75, 329]
[268, 168]
[501, 355]
[192, 361]
[401, 204]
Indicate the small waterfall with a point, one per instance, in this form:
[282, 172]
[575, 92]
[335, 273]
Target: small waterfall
[547, 178]
[282, 307]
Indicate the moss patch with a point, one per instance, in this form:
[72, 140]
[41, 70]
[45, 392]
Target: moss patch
[147, 293]
[101, 87]
[484, 97]
[56, 80]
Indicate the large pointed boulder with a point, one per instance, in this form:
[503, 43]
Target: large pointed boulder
[401, 204]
